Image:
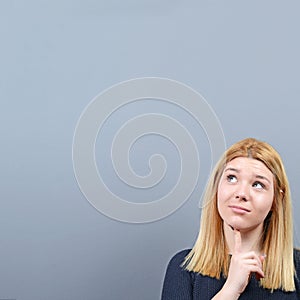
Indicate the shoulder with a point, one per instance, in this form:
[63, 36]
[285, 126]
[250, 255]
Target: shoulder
[176, 263]
[178, 282]
[179, 257]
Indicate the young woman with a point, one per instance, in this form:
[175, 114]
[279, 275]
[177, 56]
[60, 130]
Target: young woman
[244, 249]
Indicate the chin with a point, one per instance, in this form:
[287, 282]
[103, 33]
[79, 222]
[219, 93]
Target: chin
[243, 227]
[239, 225]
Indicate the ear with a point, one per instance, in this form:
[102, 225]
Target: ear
[280, 196]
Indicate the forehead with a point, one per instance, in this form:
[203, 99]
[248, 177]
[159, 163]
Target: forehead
[249, 165]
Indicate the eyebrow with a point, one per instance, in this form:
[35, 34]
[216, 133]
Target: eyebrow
[232, 169]
[263, 178]
[256, 176]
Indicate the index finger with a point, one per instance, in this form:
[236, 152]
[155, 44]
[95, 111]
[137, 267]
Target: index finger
[237, 241]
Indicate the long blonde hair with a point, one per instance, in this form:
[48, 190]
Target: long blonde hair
[209, 255]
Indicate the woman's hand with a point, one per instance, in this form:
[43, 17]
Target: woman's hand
[240, 269]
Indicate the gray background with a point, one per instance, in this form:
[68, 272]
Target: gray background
[56, 56]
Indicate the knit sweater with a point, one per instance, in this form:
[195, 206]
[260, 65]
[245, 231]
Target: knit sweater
[180, 284]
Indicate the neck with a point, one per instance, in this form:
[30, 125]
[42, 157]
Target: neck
[251, 239]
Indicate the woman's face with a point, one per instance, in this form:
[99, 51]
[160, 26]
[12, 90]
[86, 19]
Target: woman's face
[245, 193]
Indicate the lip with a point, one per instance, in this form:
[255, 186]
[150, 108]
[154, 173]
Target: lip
[239, 209]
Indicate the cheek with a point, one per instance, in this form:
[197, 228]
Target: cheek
[266, 205]
[221, 200]
[223, 194]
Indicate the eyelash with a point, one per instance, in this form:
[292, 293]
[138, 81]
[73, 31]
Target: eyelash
[262, 185]
[230, 177]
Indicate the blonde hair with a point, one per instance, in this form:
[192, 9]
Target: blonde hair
[209, 255]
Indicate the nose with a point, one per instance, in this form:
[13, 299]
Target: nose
[242, 193]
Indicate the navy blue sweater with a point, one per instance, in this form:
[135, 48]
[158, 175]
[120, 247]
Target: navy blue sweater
[180, 284]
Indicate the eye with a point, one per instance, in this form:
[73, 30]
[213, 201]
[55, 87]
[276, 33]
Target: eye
[258, 185]
[231, 178]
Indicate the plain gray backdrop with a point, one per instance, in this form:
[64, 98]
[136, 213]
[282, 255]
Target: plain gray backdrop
[56, 56]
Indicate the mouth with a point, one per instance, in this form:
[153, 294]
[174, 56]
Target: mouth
[239, 209]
